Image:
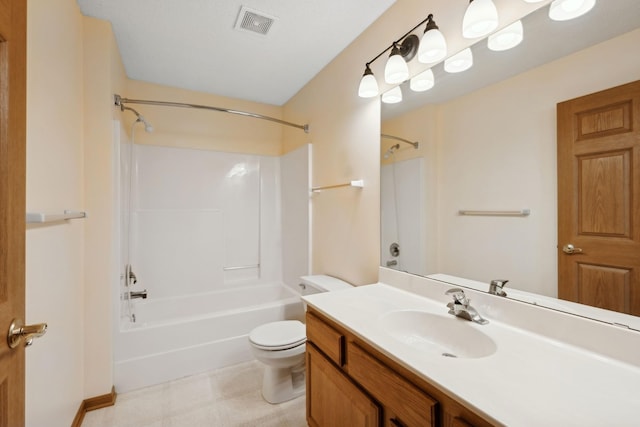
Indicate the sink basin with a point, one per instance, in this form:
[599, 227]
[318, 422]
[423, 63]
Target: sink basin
[444, 335]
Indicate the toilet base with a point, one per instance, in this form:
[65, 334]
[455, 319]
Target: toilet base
[283, 384]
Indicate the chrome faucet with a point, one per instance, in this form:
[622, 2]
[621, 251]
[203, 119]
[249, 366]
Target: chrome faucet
[495, 287]
[461, 307]
[141, 294]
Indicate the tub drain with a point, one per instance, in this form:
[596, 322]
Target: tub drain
[449, 355]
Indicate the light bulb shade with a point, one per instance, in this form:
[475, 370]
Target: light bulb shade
[423, 81]
[368, 85]
[480, 19]
[563, 10]
[396, 70]
[506, 38]
[392, 96]
[459, 62]
[433, 47]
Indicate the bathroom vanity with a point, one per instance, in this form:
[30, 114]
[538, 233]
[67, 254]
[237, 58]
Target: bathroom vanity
[351, 383]
[391, 355]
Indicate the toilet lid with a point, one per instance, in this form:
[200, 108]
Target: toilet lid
[279, 335]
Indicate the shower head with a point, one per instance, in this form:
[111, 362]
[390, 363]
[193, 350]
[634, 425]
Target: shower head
[147, 125]
[139, 118]
[390, 151]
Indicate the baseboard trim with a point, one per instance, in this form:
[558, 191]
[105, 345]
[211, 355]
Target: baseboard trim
[92, 404]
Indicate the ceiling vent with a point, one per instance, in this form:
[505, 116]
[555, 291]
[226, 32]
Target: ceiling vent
[254, 21]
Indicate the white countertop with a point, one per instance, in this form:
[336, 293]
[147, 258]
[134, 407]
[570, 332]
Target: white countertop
[530, 380]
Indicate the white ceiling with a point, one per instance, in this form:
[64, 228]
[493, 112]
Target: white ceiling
[192, 44]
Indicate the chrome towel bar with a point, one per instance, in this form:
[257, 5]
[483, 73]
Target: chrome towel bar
[522, 212]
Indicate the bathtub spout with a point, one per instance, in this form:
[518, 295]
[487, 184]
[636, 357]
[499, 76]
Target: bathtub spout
[141, 294]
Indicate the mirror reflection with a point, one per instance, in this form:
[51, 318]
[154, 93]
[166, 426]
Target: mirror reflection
[487, 142]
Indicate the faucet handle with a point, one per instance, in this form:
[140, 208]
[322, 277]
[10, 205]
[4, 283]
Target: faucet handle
[496, 286]
[499, 282]
[458, 296]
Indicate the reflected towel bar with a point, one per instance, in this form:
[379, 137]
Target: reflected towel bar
[40, 217]
[358, 184]
[241, 267]
[522, 212]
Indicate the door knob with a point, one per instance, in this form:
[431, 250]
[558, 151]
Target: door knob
[570, 249]
[18, 331]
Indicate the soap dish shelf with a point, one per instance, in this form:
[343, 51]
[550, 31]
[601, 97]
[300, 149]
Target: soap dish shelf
[41, 217]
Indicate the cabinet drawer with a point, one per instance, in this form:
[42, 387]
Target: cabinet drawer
[409, 405]
[326, 338]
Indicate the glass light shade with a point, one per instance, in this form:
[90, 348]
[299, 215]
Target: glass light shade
[433, 47]
[480, 19]
[563, 10]
[459, 62]
[392, 96]
[396, 70]
[507, 37]
[368, 86]
[423, 81]
[533, 1]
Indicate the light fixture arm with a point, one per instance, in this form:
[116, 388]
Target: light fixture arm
[398, 42]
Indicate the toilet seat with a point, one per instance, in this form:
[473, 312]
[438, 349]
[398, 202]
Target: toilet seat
[280, 335]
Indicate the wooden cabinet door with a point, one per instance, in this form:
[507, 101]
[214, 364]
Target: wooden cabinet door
[332, 399]
[599, 199]
[13, 51]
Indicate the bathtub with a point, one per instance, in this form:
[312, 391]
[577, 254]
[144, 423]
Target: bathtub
[186, 335]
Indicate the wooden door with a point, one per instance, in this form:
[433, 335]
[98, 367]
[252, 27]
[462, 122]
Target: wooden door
[599, 199]
[13, 94]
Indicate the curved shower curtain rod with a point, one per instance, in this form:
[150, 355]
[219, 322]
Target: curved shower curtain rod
[397, 138]
[120, 101]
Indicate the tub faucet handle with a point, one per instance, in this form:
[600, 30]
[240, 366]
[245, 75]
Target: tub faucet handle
[141, 294]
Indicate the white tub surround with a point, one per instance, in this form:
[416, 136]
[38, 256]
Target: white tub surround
[548, 368]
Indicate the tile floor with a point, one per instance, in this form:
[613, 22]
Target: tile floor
[228, 397]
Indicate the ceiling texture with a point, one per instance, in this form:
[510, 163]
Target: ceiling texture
[197, 45]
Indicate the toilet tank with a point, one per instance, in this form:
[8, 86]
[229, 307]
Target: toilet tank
[321, 283]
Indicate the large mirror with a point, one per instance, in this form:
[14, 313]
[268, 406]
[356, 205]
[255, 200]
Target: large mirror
[487, 142]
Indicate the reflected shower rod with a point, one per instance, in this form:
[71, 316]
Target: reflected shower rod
[120, 101]
[415, 144]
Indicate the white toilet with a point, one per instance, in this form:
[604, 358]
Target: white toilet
[281, 346]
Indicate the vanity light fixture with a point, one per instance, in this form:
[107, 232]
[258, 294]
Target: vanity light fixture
[402, 51]
[564, 10]
[423, 81]
[396, 70]
[459, 62]
[510, 36]
[433, 46]
[480, 19]
[392, 96]
[368, 84]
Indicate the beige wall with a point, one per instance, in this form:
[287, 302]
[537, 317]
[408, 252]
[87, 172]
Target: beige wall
[55, 288]
[104, 75]
[202, 129]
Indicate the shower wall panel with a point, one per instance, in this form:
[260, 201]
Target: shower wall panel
[198, 219]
